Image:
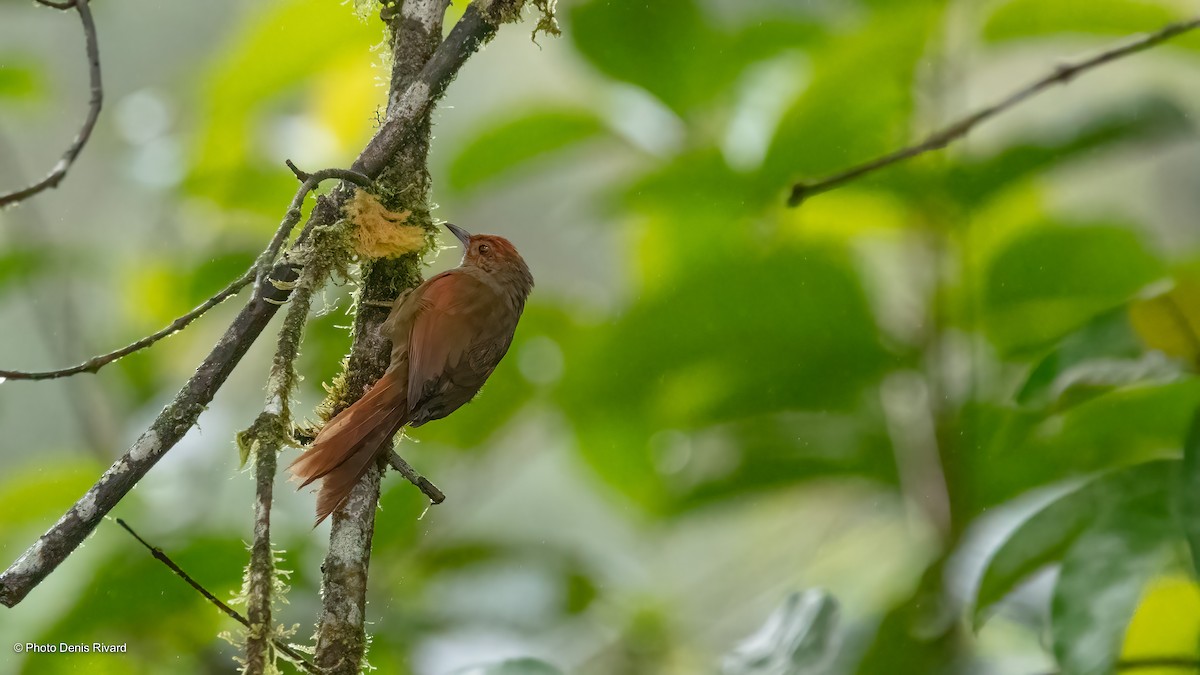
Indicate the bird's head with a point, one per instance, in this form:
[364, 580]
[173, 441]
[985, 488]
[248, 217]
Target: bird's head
[493, 254]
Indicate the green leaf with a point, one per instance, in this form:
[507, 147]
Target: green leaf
[36, 495]
[974, 181]
[799, 638]
[19, 80]
[1103, 575]
[723, 347]
[524, 666]
[519, 141]
[1107, 337]
[1190, 492]
[285, 51]
[833, 125]
[1050, 534]
[665, 46]
[1050, 280]
[1018, 19]
[22, 264]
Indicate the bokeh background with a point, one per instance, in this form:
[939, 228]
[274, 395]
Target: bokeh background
[713, 401]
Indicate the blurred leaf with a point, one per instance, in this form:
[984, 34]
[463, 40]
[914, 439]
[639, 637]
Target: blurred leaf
[799, 638]
[525, 666]
[19, 79]
[22, 264]
[1169, 321]
[973, 181]
[519, 141]
[284, 51]
[723, 342]
[36, 494]
[1107, 337]
[1017, 450]
[833, 125]
[1048, 535]
[669, 48]
[1104, 572]
[665, 47]
[1018, 19]
[131, 585]
[1167, 621]
[1050, 280]
[1190, 491]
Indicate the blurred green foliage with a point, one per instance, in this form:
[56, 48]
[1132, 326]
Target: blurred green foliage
[747, 351]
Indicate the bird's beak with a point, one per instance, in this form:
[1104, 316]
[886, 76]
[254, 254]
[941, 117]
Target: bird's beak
[463, 235]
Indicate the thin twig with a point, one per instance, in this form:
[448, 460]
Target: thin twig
[284, 648]
[943, 137]
[308, 183]
[97, 100]
[261, 267]
[95, 363]
[405, 469]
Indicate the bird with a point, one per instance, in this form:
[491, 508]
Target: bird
[448, 335]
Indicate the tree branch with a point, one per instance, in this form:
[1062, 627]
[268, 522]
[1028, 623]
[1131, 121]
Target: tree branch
[405, 469]
[59, 171]
[266, 437]
[416, 31]
[172, 423]
[284, 648]
[943, 137]
[181, 414]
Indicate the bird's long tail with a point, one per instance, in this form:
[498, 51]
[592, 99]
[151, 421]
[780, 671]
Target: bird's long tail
[355, 437]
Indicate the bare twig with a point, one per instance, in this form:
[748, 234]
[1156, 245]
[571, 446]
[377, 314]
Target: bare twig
[97, 362]
[97, 100]
[405, 469]
[262, 266]
[943, 137]
[178, 417]
[284, 648]
[308, 183]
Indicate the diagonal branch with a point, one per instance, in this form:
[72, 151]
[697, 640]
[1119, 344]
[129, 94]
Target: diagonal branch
[181, 414]
[943, 137]
[174, 421]
[284, 648]
[59, 171]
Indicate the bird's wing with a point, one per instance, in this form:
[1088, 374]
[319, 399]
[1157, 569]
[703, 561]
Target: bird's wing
[457, 318]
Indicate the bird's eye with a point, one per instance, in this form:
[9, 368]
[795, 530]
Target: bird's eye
[484, 249]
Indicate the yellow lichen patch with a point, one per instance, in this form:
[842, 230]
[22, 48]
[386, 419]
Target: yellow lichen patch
[380, 233]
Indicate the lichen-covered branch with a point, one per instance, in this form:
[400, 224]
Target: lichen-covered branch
[172, 423]
[264, 439]
[59, 171]
[943, 137]
[422, 67]
[473, 30]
